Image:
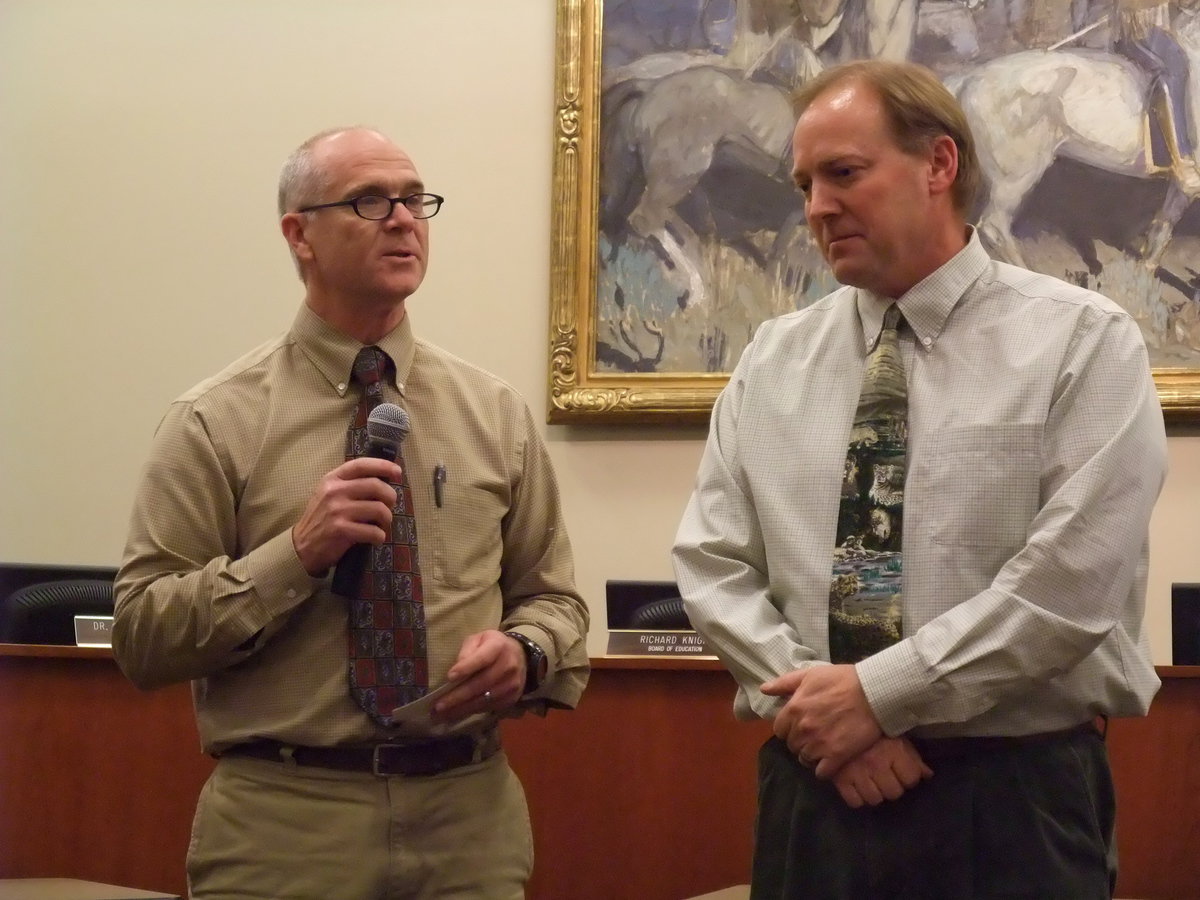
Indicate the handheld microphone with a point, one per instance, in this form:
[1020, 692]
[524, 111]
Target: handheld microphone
[387, 427]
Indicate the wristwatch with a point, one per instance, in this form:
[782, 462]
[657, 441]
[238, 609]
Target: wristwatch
[535, 661]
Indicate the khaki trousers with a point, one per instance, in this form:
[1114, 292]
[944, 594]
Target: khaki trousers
[275, 831]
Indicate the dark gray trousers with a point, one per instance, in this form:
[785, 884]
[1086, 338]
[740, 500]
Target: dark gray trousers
[1026, 821]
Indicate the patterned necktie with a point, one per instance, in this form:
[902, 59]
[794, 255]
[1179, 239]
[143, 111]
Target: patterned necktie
[865, 594]
[388, 666]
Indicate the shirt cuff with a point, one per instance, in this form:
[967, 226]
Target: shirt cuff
[897, 687]
[278, 577]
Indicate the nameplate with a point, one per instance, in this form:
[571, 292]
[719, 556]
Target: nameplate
[93, 631]
[624, 642]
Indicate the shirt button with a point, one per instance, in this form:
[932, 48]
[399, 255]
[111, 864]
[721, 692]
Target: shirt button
[291, 594]
[342, 387]
[927, 341]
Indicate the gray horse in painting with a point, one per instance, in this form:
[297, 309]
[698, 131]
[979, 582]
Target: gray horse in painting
[697, 145]
[667, 139]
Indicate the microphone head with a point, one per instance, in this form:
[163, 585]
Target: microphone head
[387, 424]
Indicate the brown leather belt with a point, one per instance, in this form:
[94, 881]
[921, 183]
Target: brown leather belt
[962, 747]
[411, 759]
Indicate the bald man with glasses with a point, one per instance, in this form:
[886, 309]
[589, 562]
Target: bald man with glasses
[353, 718]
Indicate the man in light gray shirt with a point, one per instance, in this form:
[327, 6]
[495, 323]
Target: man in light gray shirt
[956, 754]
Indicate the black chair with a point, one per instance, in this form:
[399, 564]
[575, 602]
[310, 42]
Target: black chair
[661, 614]
[45, 613]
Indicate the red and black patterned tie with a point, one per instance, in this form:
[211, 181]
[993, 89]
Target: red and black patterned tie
[388, 663]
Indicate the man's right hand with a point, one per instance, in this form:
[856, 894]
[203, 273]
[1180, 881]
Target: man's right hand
[884, 771]
[351, 505]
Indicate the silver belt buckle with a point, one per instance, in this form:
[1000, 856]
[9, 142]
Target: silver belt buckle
[375, 758]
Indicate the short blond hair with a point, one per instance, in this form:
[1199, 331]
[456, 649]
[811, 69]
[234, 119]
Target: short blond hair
[919, 109]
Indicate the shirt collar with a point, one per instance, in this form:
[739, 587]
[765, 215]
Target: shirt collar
[927, 305]
[333, 352]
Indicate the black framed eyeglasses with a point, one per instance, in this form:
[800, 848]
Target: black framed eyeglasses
[375, 207]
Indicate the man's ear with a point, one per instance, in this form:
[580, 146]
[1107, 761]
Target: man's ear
[293, 227]
[943, 164]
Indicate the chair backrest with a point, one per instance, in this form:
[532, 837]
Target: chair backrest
[45, 613]
[668, 613]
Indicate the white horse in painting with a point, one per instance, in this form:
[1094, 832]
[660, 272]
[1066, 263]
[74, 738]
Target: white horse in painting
[1029, 108]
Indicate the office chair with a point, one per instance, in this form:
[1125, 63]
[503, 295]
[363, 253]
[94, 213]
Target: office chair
[661, 614]
[45, 613]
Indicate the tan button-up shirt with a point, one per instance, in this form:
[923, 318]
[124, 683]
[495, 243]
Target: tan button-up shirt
[211, 590]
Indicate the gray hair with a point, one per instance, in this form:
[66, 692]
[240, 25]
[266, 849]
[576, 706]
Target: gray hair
[301, 181]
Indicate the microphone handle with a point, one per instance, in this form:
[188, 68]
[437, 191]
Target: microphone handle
[350, 569]
[353, 564]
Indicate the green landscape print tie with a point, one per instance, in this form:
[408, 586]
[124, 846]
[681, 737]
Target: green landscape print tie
[865, 593]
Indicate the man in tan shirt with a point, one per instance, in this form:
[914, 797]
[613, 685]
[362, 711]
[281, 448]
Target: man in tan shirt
[244, 510]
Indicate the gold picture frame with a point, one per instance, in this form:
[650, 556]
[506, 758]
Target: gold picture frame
[579, 392]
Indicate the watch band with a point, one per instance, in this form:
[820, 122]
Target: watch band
[535, 660]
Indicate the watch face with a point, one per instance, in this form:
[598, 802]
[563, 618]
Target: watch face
[535, 661]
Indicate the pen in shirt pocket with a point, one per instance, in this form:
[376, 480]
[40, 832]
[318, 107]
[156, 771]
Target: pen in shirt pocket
[439, 484]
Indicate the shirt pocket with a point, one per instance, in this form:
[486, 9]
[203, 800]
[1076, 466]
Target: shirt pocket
[466, 546]
[984, 485]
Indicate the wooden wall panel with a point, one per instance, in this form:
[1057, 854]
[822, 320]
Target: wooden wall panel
[646, 791]
[1156, 767]
[98, 780]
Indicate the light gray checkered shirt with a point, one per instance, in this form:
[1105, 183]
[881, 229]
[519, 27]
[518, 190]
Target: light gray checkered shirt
[1036, 453]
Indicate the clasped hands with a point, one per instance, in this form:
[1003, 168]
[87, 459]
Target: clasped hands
[828, 723]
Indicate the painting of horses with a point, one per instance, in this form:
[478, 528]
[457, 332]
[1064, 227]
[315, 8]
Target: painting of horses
[681, 230]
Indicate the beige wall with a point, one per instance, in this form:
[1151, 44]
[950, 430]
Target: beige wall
[140, 142]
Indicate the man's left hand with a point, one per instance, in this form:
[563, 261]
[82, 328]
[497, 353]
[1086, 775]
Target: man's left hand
[827, 720]
[884, 771]
[490, 676]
